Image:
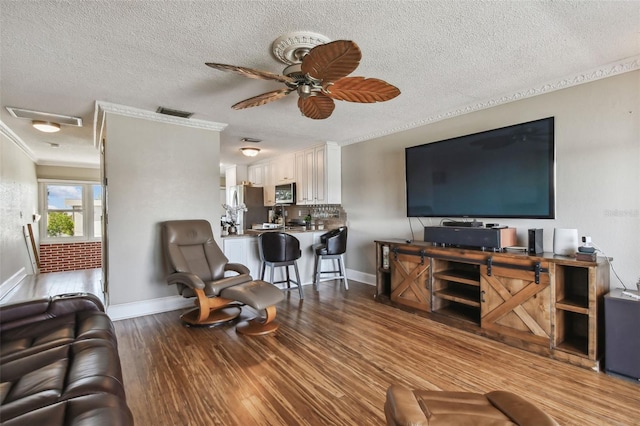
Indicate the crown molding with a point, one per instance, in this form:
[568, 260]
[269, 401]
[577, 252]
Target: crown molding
[68, 164]
[102, 108]
[6, 131]
[604, 71]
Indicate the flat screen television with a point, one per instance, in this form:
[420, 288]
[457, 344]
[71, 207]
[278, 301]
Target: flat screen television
[502, 173]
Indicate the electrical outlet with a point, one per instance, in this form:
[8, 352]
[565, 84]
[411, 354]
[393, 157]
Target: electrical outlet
[299, 212]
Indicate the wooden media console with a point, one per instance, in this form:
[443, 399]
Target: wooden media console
[548, 304]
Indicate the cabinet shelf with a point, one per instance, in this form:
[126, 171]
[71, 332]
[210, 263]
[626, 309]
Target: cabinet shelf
[459, 295]
[576, 345]
[579, 306]
[461, 312]
[459, 276]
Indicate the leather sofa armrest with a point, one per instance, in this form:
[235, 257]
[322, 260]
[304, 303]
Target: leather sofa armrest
[519, 410]
[31, 311]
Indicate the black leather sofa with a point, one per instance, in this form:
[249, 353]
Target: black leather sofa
[59, 364]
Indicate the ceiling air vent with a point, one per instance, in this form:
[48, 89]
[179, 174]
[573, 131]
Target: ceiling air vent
[45, 116]
[174, 112]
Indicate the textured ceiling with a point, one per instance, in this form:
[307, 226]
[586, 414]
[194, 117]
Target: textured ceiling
[447, 57]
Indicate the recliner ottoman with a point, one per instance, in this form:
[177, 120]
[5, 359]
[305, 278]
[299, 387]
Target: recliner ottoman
[405, 407]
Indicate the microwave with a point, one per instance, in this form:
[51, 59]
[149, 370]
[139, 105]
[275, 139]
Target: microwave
[286, 193]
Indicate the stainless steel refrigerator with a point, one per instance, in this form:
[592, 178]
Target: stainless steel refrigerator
[252, 197]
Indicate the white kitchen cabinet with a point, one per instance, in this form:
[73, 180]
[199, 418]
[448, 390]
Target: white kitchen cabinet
[257, 174]
[318, 175]
[284, 169]
[269, 188]
[305, 180]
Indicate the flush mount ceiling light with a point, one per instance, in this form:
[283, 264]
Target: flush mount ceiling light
[46, 126]
[40, 116]
[249, 151]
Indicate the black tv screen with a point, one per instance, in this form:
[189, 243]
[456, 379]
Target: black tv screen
[502, 173]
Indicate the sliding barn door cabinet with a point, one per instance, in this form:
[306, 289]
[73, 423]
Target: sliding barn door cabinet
[551, 305]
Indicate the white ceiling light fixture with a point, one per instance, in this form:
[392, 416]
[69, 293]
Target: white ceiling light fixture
[45, 121]
[46, 126]
[250, 151]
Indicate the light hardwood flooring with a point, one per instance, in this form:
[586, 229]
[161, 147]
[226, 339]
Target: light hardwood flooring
[330, 363]
[44, 285]
[332, 359]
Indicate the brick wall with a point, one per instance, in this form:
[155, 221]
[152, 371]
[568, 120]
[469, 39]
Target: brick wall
[70, 256]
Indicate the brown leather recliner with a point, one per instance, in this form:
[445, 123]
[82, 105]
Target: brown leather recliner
[405, 407]
[197, 267]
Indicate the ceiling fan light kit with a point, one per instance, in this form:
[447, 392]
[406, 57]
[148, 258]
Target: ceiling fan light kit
[317, 71]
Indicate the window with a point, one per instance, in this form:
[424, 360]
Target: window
[72, 211]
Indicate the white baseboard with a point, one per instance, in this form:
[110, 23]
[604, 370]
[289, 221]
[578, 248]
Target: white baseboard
[172, 303]
[12, 282]
[361, 277]
[147, 307]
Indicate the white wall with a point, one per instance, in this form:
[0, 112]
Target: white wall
[597, 134]
[155, 172]
[18, 203]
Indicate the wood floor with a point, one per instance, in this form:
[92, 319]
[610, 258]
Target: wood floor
[44, 285]
[330, 363]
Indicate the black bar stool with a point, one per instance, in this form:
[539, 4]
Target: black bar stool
[280, 249]
[332, 246]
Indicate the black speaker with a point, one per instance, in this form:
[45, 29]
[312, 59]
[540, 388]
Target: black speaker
[488, 238]
[535, 241]
[622, 340]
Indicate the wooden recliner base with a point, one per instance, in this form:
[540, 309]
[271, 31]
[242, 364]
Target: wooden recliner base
[259, 327]
[210, 311]
[192, 316]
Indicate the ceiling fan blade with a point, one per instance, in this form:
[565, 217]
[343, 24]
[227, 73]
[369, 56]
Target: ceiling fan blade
[317, 107]
[361, 89]
[332, 61]
[262, 99]
[250, 72]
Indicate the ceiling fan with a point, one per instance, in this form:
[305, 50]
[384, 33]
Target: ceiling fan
[317, 70]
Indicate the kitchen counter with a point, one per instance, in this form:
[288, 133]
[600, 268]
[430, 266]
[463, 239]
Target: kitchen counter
[243, 249]
[288, 229]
